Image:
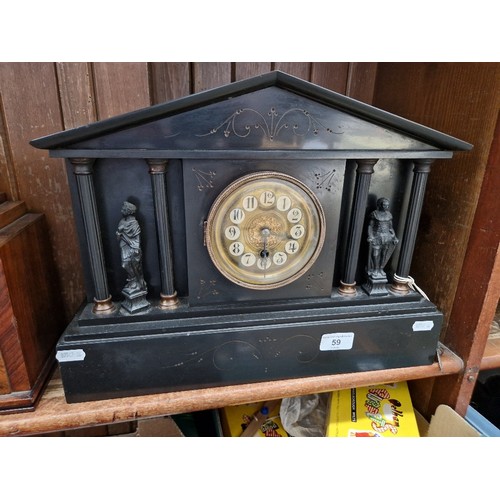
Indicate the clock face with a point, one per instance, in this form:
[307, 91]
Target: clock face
[265, 230]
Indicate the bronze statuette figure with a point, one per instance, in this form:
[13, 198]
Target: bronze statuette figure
[129, 237]
[382, 242]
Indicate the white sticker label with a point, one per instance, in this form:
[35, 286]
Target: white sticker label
[336, 341]
[70, 355]
[423, 326]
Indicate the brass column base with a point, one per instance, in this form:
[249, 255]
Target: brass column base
[169, 301]
[399, 286]
[105, 306]
[347, 288]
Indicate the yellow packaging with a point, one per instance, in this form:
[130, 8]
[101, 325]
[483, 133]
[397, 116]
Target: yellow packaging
[375, 411]
[234, 420]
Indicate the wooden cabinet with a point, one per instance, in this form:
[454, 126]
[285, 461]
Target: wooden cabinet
[30, 321]
[456, 259]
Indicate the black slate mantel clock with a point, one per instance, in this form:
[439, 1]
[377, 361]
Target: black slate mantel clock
[262, 230]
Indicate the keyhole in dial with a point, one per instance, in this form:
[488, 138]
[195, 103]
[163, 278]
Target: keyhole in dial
[264, 254]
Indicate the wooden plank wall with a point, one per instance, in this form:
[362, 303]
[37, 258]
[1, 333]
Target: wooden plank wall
[38, 99]
[461, 100]
[458, 237]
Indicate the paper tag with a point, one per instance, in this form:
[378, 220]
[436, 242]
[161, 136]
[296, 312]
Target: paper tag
[423, 326]
[336, 341]
[70, 355]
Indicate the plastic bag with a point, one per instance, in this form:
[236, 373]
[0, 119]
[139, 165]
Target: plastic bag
[305, 416]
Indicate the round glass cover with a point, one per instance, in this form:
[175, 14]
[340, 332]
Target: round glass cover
[265, 230]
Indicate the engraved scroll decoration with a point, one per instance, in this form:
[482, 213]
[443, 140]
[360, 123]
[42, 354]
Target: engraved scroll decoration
[241, 123]
[299, 349]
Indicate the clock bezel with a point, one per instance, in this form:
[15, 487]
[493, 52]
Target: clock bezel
[317, 212]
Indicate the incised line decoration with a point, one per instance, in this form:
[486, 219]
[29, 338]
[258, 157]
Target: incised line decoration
[241, 123]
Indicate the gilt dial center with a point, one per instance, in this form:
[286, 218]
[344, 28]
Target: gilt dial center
[268, 227]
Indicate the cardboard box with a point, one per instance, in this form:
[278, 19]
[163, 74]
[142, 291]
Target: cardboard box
[235, 419]
[155, 427]
[446, 422]
[382, 410]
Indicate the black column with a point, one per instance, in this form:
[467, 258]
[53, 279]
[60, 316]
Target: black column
[361, 189]
[421, 171]
[158, 170]
[82, 168]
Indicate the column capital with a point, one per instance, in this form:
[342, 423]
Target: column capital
[157, 165]
[82, 166]
[422, 165]
[365, 166]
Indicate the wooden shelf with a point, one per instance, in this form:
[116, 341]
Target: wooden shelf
[54, 414]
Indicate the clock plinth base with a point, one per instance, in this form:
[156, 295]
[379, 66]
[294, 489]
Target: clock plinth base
[191, 348]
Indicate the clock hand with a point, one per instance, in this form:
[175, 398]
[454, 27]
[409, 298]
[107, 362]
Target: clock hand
[265, 253]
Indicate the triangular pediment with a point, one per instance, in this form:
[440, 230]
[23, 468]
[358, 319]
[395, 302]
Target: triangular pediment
[273, 112]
